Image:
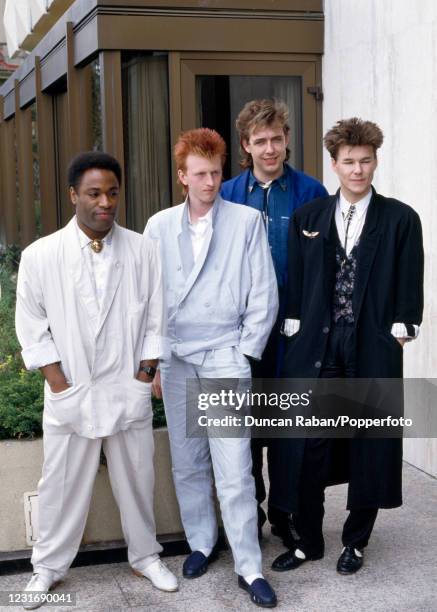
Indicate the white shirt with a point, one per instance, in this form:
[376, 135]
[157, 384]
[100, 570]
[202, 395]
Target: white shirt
[198, 231]
[98, 264]
[398, 330]
[356, 223]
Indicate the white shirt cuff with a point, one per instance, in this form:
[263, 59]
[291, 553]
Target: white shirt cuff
[155, 347]
[399, 330]
[291, 327]
[39, 355]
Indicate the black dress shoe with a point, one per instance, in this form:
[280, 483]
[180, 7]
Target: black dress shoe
[196, 564]
[261, 593]
[349, 562]
[286, 531]
[289, 561]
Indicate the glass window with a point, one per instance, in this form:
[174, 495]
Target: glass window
[96, 107]
[220, 99]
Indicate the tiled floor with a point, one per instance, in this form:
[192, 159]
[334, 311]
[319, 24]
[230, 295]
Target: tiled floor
[400, 572]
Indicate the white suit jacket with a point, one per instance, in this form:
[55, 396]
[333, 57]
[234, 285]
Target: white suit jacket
[229, 296]
[58, 320]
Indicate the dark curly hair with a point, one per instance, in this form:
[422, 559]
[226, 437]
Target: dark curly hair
[89, 160]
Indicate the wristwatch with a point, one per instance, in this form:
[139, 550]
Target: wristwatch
[149, 370]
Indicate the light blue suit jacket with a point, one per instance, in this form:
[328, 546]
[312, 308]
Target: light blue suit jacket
[229, 296]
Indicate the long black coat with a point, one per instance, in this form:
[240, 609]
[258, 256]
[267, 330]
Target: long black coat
[388, 289]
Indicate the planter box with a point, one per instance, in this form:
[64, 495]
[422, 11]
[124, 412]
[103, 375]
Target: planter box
[20, 470]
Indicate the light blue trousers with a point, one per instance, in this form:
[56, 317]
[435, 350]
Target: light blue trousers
[195, 460]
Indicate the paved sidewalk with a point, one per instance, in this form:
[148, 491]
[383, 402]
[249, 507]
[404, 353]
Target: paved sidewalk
[400, 572]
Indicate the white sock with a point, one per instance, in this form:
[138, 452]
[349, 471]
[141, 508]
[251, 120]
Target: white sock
[205, 551]
[357, 552]
[249, 579]
[300, 554]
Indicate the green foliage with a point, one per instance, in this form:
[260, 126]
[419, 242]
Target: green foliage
[8, 342]
[21, 391]
[9, 258]
[9, 346]
[158, 413]
[21, 402]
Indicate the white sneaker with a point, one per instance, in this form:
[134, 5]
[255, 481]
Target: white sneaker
[160, 576]
[38, 584]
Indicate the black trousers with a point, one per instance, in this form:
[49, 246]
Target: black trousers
[319, 453]
[268, 367]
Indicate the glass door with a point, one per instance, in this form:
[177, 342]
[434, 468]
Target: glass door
[213, 91]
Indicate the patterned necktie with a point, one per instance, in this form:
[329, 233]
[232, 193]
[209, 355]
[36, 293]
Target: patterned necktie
[350, 213]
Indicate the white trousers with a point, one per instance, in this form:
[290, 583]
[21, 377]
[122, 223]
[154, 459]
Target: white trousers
[64, 494]
[195, 459]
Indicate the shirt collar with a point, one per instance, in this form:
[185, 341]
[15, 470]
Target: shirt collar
[206, 219]
[281, 181]
[360, 207]
[85, 240]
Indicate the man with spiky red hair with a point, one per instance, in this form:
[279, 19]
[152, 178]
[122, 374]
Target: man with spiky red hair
[222, 303]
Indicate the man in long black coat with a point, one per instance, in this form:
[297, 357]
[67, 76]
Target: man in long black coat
[354, 298]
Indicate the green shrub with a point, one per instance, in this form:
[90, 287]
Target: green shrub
[21, 402]
[21, 391]
[158, 413]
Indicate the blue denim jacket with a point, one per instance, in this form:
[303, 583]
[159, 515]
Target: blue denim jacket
[290, 191]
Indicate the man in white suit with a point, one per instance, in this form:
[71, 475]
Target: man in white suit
[222, 303]
[91, 316]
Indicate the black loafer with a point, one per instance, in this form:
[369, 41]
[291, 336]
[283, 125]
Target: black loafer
[286, 531]
[196, 564]
[261, 593]
[288, 561]
[349, 562]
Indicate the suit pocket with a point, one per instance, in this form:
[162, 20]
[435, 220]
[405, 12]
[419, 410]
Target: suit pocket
[389, 356]
[145, 387]
[64, 408]
[389, 336]
[138, 400]
[61, 394]
[230, 362]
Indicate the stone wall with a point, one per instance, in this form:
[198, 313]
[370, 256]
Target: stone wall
[380, 63]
